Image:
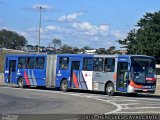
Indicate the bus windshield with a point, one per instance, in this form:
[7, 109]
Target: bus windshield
[142, 68]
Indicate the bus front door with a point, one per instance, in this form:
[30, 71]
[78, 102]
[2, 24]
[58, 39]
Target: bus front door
[12, 71]
[75, 74]
[122, 76]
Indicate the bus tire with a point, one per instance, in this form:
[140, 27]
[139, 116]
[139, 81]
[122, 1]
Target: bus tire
[64, 85]
[110, 89]
[21, 82]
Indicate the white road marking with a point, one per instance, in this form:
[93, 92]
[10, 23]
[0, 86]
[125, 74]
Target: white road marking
[122, 100]
[140, 107]
[146, 112]
[147, 99]
[119, 108]
[59, 92]
[129, 104]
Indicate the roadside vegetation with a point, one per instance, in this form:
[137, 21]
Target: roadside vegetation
[2, 57]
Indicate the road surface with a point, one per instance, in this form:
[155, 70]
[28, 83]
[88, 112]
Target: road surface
[49, 101]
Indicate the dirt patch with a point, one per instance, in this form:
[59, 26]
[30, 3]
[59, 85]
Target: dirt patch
[1, 78]
[2, 58]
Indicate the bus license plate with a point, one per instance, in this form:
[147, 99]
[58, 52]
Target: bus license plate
[146, 87]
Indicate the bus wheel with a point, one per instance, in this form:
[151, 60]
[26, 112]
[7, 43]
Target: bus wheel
[110, 89]
[20, 82]
[64, 85]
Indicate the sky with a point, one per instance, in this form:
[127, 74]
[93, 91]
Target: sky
[78, 23]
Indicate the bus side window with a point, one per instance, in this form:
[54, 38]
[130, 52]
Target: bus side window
[21, 62]
[109, 65]
[40, 62]
[63, 63]
[87, 64]
[98, 64]
[30, 62]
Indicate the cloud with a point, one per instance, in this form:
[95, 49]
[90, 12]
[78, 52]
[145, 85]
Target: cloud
[70, 17]
[32, 29]
[118, 34]
[91, 30]
[23, 33]
[52, 28]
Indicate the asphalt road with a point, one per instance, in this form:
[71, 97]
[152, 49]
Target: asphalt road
[33, 101]
[37, 101]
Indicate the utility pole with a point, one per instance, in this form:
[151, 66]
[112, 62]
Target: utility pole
[39, 37]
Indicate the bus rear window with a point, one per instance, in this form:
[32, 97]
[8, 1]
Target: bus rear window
[88, 64]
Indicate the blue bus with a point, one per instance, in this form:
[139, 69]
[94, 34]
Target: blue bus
[130, 74]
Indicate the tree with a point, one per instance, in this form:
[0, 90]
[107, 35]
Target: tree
[130, 43]
[85, 48]
[101, 51]
[56, 43]
[111, 50]
[11, 40]
[146, 39]
[66, 49]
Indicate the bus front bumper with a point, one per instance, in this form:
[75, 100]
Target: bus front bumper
[140, 90]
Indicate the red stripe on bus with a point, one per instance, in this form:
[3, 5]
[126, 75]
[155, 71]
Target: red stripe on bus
[115, 76]
[135, 85]
[26, 78]
[75, 80]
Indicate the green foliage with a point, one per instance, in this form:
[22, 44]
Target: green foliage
[110, 51]
[101, 51]
[146, 39]
[56, 43]
[68, 49]
[11, 40]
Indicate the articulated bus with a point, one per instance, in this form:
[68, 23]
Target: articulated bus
[130, 74]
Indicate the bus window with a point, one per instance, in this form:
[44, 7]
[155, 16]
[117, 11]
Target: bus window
[109, 65]
[75, 65]
[98, 64]
[21, 62]
[30, 62]
[40, 62]
[88, 64]
[63, 62]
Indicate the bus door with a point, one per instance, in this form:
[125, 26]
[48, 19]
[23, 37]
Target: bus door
[75, 74]
[122, 76]
[12, 71]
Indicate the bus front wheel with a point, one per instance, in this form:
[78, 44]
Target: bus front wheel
[20, 82]
[110, 89]
[64, 85]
